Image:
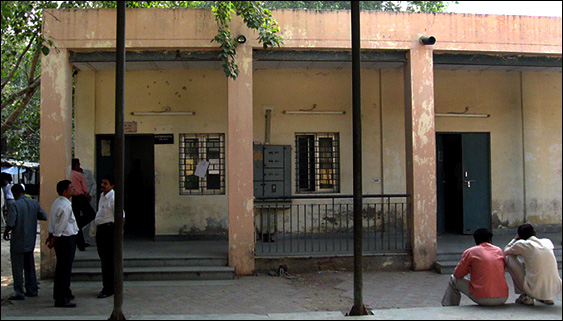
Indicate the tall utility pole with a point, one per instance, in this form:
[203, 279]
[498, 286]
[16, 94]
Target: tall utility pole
[117, 313]
[358, 308]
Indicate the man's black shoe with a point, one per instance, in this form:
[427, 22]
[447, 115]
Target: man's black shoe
[16, 297]
[103, 295]
[64, 304]
[30, 295]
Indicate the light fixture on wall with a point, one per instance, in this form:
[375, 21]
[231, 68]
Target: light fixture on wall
[314, 112]
[462, 114]
[165, 112]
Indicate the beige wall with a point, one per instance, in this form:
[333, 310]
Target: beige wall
[541, 96]
[494, 92]
[503, 95]
[200, 91]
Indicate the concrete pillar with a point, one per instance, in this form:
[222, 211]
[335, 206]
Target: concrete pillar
[56, 138]
[420, 156]
[239, 164]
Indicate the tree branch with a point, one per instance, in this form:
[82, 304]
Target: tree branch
[17, 64]
[10, 120]
[22, 92]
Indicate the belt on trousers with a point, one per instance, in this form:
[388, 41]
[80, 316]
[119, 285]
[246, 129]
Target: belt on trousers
[107, 224]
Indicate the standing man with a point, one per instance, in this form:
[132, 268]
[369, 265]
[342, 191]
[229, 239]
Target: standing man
[81, 202]
[538, 277]
[485, 262]
[6, 180]
[22, 223]
[105, 227]
[62, 236]
[91, 182]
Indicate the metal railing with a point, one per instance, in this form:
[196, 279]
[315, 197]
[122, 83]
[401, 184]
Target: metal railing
[323, 224]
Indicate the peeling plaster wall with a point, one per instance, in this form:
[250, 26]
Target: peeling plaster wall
[201, 91]
[330, 90]
[541, 94]
[499, 94]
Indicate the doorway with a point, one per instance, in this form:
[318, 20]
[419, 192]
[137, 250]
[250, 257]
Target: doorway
[463, 182]
[139, 181]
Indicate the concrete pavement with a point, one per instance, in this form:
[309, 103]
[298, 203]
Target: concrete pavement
[318, 296]
[314, 296]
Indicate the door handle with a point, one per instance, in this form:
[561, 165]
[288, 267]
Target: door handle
[469, 183]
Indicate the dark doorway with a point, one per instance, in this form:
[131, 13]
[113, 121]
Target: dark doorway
[139, 180]
[463, 186]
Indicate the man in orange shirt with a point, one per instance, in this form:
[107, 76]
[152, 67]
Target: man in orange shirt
[81, 207]
[485, 262]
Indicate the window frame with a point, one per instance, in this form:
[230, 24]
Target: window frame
[314, 174]
[189, 159]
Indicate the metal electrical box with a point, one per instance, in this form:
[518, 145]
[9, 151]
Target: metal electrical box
[272, 170]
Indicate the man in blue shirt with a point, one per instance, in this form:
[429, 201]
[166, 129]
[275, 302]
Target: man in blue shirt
[22, 223]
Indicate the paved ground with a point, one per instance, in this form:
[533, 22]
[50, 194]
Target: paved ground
[321, 295]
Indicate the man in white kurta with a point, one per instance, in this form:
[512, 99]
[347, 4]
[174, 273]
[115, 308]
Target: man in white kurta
[538, 278]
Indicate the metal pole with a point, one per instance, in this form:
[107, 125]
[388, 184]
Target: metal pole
[358, 308]
[117, 313]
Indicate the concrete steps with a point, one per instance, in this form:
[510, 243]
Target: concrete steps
[448, 261]
[158, 269]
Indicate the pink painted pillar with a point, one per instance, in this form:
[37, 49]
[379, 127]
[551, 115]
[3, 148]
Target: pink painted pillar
[56, 138]
[420, 156]
[240, 166]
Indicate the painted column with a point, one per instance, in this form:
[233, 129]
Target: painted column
[239, 164]
[56, 138]
[420, 156]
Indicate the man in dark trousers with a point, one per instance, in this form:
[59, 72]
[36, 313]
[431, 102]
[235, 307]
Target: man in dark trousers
[105, 227]
[62, 236]
[22, 223]
[81, 207]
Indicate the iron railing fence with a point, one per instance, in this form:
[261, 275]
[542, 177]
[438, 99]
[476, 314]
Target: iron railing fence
[321, 225]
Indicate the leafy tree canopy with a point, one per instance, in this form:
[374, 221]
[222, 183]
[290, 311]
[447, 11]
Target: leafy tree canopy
[23, 44]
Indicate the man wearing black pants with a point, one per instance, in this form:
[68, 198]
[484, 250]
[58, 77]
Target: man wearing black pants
[81, 202]
[105, 228]
[62, 236]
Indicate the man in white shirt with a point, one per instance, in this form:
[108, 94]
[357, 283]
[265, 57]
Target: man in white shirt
[538, 278]
[105, 226]
[62, 236]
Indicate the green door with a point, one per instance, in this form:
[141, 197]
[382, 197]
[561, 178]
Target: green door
[476, 181]
[463, 182]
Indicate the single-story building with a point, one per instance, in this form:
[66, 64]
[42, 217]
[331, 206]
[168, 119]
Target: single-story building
[462, 133]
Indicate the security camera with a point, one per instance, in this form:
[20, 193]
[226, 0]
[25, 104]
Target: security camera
[427, 40]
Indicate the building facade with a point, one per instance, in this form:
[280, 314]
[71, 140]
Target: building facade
[468, 129]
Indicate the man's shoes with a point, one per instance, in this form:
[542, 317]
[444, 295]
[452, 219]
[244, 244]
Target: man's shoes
[16, 297]
[30, 295]
[548, 302]
[103, 295]
[525, 300]
[64, 304]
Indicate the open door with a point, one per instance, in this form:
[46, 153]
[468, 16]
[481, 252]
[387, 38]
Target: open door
[463, 182]
[139, 180]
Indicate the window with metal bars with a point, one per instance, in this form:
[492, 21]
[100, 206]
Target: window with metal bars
[195, 148]
[317, 162]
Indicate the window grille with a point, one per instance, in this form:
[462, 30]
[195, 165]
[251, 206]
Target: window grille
[193, 149]
[317, 162]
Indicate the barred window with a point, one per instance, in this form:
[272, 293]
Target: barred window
[317, 162]
[195, 148]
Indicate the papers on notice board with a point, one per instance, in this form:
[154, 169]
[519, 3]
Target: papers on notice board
[201, 169]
